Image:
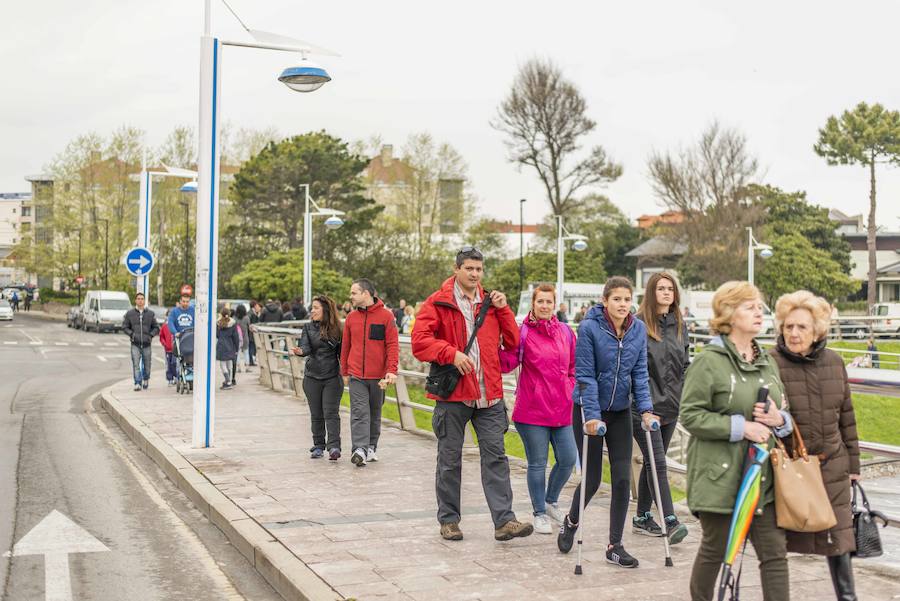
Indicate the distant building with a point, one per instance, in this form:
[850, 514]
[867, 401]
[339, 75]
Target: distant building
[393, 183]
[655, 255]
[15, 218]
[887, 255]
[669, 217]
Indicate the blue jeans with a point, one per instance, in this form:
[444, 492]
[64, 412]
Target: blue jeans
[140, 363]
[537, 440]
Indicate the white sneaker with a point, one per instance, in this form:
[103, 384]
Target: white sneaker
[358, 458]
[554, 513]
[542, 524]
[371, 455]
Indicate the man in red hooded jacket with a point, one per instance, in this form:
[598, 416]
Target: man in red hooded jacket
[370, 353]
[443, 327]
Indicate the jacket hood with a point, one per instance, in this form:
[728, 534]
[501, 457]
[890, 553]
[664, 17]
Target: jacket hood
[543, 325]
[272, 307]
[817, 348]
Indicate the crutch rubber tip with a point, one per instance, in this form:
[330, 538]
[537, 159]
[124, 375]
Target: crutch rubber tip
[578, 570]
[669, 563]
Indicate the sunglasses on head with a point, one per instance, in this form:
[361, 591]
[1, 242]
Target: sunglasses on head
[468, 250]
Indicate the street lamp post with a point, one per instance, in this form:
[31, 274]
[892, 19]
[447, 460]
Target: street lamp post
[562, 236]
[521, 245]
[79, 267]
[187, 229]
[105, 254]
[304, 78]
[332, 222]
[144, 215]
[765, 251]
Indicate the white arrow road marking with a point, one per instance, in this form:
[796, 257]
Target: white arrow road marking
[102, 358]
[55, 537]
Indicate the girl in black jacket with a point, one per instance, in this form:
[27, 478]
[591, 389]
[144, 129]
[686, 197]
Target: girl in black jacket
[667, 360]
[227, 344]
[320, 343]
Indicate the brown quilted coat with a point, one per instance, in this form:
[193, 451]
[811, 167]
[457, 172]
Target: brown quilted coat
[819, 398]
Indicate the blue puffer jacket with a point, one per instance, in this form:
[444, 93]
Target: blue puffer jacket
[610, 372]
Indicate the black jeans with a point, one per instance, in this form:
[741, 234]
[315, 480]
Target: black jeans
[449, 424]
[618, 445]
[324, 398]
[661, 440]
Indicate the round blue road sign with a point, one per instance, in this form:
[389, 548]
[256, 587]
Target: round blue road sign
[139, 261]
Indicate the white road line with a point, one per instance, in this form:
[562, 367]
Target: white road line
[110, 344]
[61, 343]
[30, 337]
[36, 342]
[102, 358]
[10, 342]
[85, 344]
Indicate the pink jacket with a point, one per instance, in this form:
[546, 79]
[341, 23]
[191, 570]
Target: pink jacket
[547, 378]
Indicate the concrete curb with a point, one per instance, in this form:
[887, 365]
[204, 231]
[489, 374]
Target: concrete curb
[287, 574]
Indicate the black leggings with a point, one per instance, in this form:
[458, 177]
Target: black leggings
[618, 445]
[661, 440]
[324, 398]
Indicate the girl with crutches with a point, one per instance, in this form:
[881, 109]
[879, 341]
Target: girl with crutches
[610, 371]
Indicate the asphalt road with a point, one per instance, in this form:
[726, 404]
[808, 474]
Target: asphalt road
[58, 452]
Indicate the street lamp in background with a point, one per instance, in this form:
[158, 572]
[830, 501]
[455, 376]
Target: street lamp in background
[333, 222]
[188, 188]
[579, 243]
[765, 251]
[304, 78]
[146, 192]
[106, 255]
[522, 244]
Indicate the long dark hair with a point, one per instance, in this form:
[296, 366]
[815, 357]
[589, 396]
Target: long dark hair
[329, 326]
[648, 309]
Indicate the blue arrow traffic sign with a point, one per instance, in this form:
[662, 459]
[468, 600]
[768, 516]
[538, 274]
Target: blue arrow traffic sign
[139, 261]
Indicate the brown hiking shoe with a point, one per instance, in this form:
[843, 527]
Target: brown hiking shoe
[451, 531]
[513, 529]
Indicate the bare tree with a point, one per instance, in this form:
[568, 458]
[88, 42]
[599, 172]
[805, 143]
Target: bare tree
[545, 120]
[707, 184]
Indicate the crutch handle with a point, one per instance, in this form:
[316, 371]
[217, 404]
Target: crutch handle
[601, 429]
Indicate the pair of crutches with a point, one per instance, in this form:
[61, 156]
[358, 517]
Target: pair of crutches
[601, 430]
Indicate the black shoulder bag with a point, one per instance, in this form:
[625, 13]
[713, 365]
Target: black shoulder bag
[443, 378]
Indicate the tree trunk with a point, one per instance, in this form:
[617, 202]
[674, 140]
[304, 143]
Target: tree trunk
[871, 238]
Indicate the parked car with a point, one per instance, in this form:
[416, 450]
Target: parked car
[6, 312]
[75, 317]
[232, 304]
[890, 318]
[104, 310]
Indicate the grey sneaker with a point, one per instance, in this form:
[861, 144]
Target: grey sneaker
[513, 529]
[316, 453]
[675, 530]
[542, 524]
[554, 513]
[358, 458]
[371, 455]
[334, 454]
[644, 524]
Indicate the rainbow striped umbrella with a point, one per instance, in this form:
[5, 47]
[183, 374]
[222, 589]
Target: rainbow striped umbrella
[742, 515]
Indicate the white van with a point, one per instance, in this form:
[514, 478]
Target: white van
[105, 310]
[889, 318]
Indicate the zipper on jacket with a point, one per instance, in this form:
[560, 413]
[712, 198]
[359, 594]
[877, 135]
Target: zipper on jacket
[365, 341]
[612, 397]
[141, 320]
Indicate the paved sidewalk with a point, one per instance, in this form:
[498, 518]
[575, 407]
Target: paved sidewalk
[371, 533]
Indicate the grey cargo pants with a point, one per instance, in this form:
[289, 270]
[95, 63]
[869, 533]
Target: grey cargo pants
[366, 399]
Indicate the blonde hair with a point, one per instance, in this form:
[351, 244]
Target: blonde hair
[817, 306]
[726, 300]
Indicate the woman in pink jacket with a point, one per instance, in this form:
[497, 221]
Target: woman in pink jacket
[543, 411]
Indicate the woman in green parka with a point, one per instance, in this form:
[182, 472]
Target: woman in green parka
[719, 409]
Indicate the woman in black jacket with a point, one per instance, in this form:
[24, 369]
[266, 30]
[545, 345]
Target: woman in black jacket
[667, 360]
[320, 343]
[227, 344]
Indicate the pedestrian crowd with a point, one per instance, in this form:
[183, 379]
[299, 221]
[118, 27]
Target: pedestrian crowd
[626, 378]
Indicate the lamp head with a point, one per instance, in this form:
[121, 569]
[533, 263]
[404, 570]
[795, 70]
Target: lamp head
[579, 245]
[306, 77]
[766, 253]
[334, 222]
[190, 187]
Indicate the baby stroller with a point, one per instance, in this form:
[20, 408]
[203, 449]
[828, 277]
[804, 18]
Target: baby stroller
[184, 361]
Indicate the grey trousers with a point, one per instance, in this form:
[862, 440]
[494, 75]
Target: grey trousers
[449, 424]
[366, 399]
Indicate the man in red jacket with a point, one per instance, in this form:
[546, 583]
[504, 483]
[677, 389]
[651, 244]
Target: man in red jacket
[443, 328]
[370, 352]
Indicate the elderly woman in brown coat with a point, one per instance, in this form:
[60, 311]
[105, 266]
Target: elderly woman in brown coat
[818, 393]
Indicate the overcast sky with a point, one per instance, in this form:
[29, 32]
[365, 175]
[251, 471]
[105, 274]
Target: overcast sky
[654, 75]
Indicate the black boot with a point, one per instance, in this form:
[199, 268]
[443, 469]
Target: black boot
[842, 577]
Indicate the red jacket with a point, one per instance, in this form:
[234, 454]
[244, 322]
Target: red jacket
[165, 338]
[369, 346]
[441, 331]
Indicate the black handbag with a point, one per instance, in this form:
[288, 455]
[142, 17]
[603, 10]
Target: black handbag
[443, 378]
[865, 526]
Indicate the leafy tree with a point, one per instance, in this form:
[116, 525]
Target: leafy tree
[798, 264]
[545, 121]
[706, 183]
[280, 276]
[866, 135]
[541, 267]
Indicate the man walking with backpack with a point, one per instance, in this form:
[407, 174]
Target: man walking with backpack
[461, 325]
[140, 326]
[370, 352]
